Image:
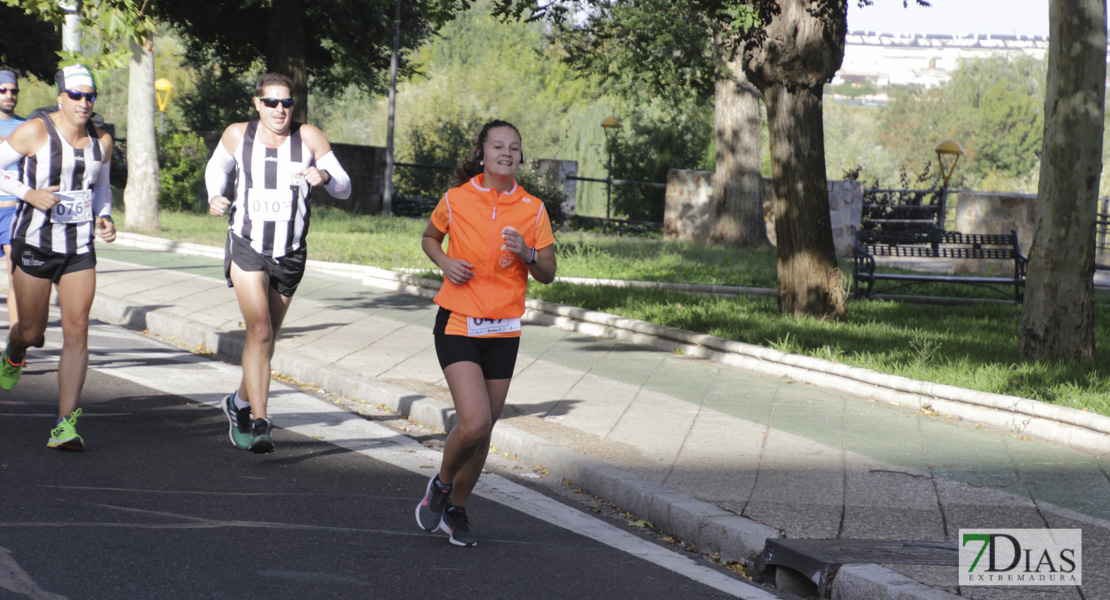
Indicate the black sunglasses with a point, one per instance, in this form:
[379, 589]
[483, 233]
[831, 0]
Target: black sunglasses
[273, 102]
[8, 90]
[75, 95]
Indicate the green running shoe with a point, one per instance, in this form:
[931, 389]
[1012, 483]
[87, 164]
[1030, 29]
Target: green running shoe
[9, 373]
[261, 442]
[64, 435]
[239, 422]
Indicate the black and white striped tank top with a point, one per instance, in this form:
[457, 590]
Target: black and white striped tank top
[271, 209]
[68, 228]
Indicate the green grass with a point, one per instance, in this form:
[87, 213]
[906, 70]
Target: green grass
[394, 243]
[968, 346]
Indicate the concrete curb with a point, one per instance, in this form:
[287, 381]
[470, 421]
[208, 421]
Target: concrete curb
[1022, 416]
[711, 528]
[873, 582]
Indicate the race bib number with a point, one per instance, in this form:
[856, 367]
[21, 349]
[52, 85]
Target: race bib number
[478, 327]
[270, 205]
[75, 207]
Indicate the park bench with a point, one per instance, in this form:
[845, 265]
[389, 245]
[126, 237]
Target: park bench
[934, 243]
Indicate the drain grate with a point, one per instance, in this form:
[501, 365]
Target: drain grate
[819, 560]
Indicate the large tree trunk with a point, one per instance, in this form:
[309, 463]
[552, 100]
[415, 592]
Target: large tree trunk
[803, 49]
[140, 197]
[285, 50]
[1057, 320]
[810, 284]
[739, 202]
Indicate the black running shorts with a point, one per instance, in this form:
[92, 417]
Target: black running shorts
[44, 264]
[496, 356]
[285, 272]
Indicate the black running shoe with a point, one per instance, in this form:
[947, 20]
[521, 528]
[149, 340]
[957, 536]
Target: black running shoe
[261, 442]
[239, 422]
[456, 524]
[431, 506]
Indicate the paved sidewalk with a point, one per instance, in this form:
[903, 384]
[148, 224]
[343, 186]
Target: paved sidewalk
[719, 456]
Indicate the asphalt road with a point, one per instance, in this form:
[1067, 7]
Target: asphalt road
[162, 506]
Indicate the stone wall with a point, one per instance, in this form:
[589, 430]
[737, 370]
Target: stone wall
[690, 211]
[994, 213]
[845, 212]
[560, 170]
[366, 166]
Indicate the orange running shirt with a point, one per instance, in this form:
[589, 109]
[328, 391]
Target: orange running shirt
[473, 216]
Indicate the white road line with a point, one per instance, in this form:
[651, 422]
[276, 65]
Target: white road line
[309, 416]
[14, 579]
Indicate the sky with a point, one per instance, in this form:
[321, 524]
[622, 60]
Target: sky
[1012, 17]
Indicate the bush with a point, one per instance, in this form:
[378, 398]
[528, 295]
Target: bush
[653, 141]
[182, 157]
[440, 142]
[221, 96]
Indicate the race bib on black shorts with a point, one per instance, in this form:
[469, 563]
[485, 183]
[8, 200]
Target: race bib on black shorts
[477, 327]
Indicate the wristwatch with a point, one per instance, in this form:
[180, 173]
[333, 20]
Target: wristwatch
[531, 261]
[108, 218]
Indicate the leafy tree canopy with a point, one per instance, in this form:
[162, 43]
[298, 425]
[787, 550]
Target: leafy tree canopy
[28, 41]
[993, 106]
[108, 28]
[347, 42]
[652, 47]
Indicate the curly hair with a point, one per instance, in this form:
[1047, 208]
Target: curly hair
[471, 164]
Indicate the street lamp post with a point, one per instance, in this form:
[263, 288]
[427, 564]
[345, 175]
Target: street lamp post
[609, 123]
[162, 90]
[951, 148]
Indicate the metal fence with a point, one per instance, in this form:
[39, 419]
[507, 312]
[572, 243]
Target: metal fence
[416, 206]
[903, 210]
[609, 201]
[404, 205]
[1102, 229]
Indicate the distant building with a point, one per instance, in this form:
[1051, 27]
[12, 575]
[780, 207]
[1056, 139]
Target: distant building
[922, 59]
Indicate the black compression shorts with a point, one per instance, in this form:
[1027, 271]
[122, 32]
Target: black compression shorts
[496, 356]
[44, 264]
[285, 272]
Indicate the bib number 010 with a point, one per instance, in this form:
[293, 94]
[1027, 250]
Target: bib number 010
[270, 205]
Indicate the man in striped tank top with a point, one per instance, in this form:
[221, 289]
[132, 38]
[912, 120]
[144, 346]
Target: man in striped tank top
[64, 199]
[277, 162]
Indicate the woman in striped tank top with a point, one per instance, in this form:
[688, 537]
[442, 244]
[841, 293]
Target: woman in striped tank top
[64, 199]
[277, 162]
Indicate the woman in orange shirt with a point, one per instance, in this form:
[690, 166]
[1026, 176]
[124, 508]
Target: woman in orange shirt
[498, 235]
